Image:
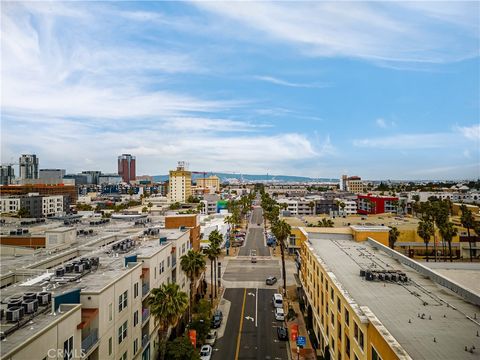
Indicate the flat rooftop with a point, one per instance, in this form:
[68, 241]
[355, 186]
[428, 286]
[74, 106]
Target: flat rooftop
[394, 304]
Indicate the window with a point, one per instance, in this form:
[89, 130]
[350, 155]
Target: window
[347, 318]
[68, 349]
[347, 346]
[135, 318]
[135, 290]
[355, 357]
[339, 356]
[135, 346]
[155, 272]
[122, 301]
[360, 339]
[124, 356]
[122, 332]
[168, 262]
[332, 319]
[339, 304]
[292, 241]
[331, 294]
[375, 355]
[339, 330]
[110, 312]
[110, 346]
[355, 331]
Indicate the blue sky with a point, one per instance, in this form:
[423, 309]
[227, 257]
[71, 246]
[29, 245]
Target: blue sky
[383, 90]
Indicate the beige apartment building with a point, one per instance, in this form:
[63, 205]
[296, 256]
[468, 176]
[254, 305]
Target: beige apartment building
[93, 306]
[180, 184]
[366, 301]
[209, 185]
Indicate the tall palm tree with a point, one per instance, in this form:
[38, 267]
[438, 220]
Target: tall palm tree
[193, 263]
[468, 222]
[167, 304]
[215, 250]
[448, 231]
[282, 231]
[425, 231]
[393, 235]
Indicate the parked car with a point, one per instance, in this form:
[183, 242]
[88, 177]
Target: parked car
[279, 314]
[282, 333]
[277, 300]
[211, 338]
[217, 319]
[206, 352]
[271, 280]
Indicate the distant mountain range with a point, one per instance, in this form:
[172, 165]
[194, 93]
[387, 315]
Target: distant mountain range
[261, 178]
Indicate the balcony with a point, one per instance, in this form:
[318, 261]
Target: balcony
[174, 261]
[145, 315]
[145, 289]
[145, 340]
[90, 341]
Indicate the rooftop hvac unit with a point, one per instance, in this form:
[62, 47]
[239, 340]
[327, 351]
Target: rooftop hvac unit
[369, 276]
[60, 272]
[13, 303]
[44, 298]
[2, 314]
[83, 259]
[14, 314]
[95, 261]
[68, 268]
[380, 276]
[394, 277]
[87, 265]
[362, 272]
[78, 268]
[30, 306]
[29, 296]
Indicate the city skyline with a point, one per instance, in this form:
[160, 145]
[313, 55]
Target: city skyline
[310, 91]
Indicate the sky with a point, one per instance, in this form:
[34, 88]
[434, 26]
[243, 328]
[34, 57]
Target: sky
[382, 90]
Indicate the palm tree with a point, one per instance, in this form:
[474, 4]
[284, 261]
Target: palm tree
[311, 205]
[448, 231]
[425, 231]
[214, 251]
[325, 222]
[193, 264]
[393, 235]
[282, 231]
[167, 304]
[468, 222]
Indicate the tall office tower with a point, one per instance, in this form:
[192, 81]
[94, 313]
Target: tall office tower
[180, 183]
[28, 167]
[126, 167]
[7, 174]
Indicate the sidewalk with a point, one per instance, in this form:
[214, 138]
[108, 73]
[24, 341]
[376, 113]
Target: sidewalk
[307, 353]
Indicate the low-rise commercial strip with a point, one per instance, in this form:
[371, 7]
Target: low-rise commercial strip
[366, 301]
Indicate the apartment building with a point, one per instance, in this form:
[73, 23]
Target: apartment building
[470, 197]
[376, 204]
[366, 301]
[7, 174]
[93, 306]
[35, 204]
[180, 184]
[9, 205]
[352, 184]
[346, 207]
[209, 185]
[28, 166]
[298, 206]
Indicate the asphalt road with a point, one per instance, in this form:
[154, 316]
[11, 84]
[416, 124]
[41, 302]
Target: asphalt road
[255, 238]
[250, 330]
[252, 316]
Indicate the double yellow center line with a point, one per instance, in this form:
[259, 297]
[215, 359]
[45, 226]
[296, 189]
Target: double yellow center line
[239, 337]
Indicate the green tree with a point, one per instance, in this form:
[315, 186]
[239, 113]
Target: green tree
[213, 252]
[144, 209]
[175, 206]
[325, 223]
[181, 349]
[167, 304]
[311, 205]
[468, 222]
[425, 231]
[282, 231]
[193, 264]
[23, 213]
[149, 204]
[447, 232]
[393, 235]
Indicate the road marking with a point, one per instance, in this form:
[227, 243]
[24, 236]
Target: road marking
[256, 306]
[241, 324]
[248, 318]
[252, 294]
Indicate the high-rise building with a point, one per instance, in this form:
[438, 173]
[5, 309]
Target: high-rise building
[51, 173]
[28, 166]
[126, 167]
[7, 174]
[180, 183]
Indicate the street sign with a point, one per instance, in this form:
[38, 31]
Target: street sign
[301, 341]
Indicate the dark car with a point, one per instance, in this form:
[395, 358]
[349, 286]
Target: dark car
[217, 319]
[282, 333]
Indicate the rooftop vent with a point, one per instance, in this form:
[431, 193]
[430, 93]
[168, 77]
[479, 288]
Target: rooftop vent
[14, 314]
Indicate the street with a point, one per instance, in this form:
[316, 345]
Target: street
[250, 331]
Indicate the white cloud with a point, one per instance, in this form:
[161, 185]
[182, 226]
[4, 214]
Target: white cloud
[406, 141]
[278, 81]
[390, 32]
[470, 132]
[381, 123]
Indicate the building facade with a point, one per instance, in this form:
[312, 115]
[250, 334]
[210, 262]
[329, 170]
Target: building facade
[28, 167]
[180, 184]
[7, 174]
[210, 184]
[376, 204]
[126, 167]
[51, 173]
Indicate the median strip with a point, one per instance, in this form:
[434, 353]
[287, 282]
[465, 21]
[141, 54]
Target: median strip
[237, 352]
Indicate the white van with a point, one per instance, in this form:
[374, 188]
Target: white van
[277, 300]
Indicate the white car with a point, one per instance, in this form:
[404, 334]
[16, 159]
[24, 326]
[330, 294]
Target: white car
[279, 314]
[205, 352]
[211, 337]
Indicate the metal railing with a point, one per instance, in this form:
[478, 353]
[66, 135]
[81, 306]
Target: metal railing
[174, 260]
[90, 340]
[145, 340]
[145, 315]
[145, 289]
